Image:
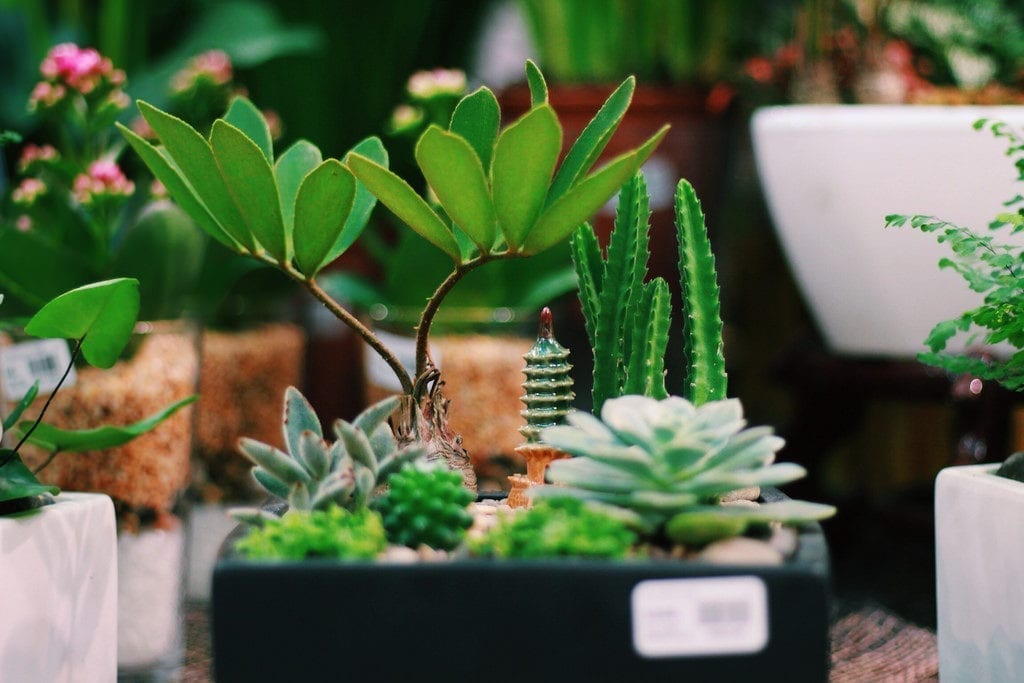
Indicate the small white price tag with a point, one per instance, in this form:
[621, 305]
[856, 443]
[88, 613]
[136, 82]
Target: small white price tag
[700, 617]
[23, 364]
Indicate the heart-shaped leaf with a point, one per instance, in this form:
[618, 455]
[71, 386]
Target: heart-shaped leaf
[477, 118]
[291, 167]
[194, 158]
[102, 315]
[321, 207]
[457, 177]
[524, 159]
[402, 200]
[56, 440]
[179, 188]
[17, 481]
[243, 115]
[250, 180]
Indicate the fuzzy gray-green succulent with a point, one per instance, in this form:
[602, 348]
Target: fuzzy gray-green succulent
[314, 474]
[664, 461]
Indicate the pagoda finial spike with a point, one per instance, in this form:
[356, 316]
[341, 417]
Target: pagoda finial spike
[545, 323]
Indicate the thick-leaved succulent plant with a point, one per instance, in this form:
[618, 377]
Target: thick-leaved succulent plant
[495, 194]
[425, 506]
[661, 460]
[315, 474]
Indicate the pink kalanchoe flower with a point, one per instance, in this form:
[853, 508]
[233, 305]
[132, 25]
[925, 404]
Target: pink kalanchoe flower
[24, 223]
[103, 179]
[213, 65]
[26, 193]
[33, 154]
[80, 69]
[427, 84]
[46, 95]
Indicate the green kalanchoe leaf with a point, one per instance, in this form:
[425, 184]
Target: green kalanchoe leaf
[249, 178]
[290, 169]
[477, 118]
[402, 200]
[457, 177]
[322, 206]
[364, 201]
[12, 418]
[538, 86]
[524, 159]
[243, 115]
[102, 315]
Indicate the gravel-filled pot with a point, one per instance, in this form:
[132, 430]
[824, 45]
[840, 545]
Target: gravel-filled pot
[635, 620]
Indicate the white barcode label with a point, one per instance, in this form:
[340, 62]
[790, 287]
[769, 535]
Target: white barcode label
[700, 617]
[22, 365]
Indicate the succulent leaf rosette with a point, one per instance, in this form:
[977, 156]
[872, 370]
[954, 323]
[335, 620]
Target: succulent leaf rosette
[659, 459]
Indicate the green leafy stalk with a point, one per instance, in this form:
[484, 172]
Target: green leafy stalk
[702, 324]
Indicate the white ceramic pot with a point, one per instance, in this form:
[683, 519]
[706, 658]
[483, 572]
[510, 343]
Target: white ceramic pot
[831, 174]
[58, 613]
[979, 560]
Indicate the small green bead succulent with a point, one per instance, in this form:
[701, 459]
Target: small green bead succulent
[426, 506]
[315, 474]
[658, 459]
[560, 527]
[330, 533]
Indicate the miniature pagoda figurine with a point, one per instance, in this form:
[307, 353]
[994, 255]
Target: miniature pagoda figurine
[548, 399]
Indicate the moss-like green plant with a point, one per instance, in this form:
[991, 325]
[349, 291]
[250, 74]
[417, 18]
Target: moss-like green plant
[628, 319]
[562, 527]
[990, 266]
[656, 459]
[498, 196]
[425, 506]
[315, 474]
[329, 533]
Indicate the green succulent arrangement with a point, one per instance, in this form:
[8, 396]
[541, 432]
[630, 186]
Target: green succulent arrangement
[561, 527]
[496, 194]
[99, 319]
[426, 506]
[332, 532]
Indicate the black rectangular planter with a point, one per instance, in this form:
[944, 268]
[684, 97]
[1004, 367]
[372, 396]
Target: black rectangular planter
[549, 620]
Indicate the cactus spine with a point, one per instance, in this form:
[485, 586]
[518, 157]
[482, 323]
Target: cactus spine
[627, 320]
[702, 324]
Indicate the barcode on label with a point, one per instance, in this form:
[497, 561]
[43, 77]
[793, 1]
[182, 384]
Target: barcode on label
[24, 364]
[702, 616]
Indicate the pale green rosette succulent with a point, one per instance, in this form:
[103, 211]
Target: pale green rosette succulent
[665, 464]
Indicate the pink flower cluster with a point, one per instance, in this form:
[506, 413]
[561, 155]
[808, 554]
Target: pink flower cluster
[36, 154]
[103, 179]
[26, 193]
[213, 66]
[426, 84]
[79, 69]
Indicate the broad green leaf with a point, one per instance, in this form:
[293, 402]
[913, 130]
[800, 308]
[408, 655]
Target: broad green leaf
[299, 417]
[17, 481]
[592, 141]
[362, 205]
[194, 158]
[321, 207]
[12, 418]
[538, 87]
[250, 179]
[524, 159]
[581, 202]
[56, 440]
[243, 115]
[178, 188]
[291, 167]
[454, 172]
[402, 200]
[477, 118]
[101, 314]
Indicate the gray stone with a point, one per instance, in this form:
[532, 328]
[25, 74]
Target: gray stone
[741, 550]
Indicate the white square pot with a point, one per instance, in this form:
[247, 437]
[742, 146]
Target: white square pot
[979, 555]
[58, 610]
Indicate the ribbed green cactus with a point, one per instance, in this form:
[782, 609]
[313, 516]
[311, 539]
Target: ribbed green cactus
[627, 320]
[548, 385]
[702, 323]
[426, 506]
[659, 459]
[315, 474]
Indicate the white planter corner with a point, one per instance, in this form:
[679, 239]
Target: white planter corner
[58, 613]
[830, 175]
[979, 563]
